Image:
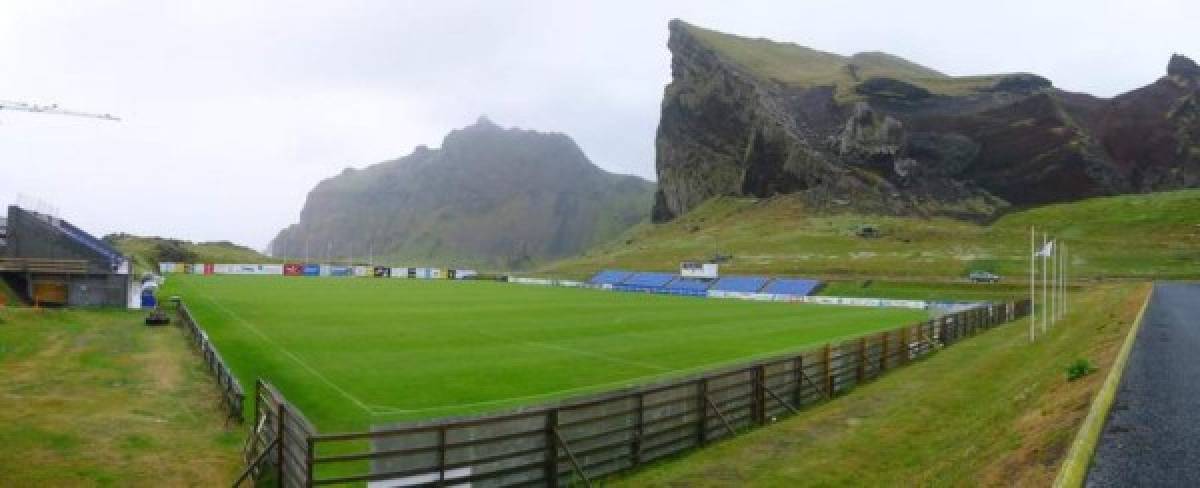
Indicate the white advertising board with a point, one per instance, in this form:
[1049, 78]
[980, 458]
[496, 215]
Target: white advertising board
[689, 269]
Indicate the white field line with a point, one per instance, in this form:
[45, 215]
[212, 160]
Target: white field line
[251, 327]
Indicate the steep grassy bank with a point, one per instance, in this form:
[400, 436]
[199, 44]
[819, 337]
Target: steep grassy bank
[147, 252]
[991, 411]
[1138, 236]
[93, 398]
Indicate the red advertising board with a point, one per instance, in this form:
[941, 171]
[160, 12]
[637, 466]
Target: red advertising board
[293, 269]
[209, 268]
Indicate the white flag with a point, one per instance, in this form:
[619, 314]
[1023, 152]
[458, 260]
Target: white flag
[1047, 250]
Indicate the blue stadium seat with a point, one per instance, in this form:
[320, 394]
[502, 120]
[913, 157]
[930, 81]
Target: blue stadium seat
[645, 282]
[791, 286]
[687, 287]
[649, 280]
[78, 235]
[609, 277]
[745, 284]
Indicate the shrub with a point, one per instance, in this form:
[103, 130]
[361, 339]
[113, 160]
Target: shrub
[1079, 369]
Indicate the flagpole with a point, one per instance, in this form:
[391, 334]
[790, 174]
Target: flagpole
[1066, 264]
[1045, 283]
[1053, 282]
[1032, 283]
[1066, 260]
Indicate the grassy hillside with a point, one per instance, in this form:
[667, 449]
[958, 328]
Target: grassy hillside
[94, 398]
[793, 64]
[147, 252]
[935, 423]
[1136, 236]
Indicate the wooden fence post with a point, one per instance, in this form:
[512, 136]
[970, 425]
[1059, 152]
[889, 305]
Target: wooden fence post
[883, 351]
[550, 469]
[829, 370]
[702, 411]
[281, 448]
[636, 445]
[308, 463]
[862, 361]
[760, 394]
[441, 455]
[798, 377]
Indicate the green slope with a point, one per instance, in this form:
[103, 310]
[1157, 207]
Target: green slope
[993, 410]
[1136, 236]
[147, 252]
[793, 64]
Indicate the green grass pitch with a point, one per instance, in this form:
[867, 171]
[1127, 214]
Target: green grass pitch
[351, 352]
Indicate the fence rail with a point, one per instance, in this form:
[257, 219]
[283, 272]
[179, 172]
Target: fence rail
[232, 392]
[581, 440]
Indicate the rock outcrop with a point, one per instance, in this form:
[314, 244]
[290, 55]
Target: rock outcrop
[876, 133]
[491, 197]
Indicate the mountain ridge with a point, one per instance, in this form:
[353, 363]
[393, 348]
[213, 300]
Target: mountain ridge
[489, 196]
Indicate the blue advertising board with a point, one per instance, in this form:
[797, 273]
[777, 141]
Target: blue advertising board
[341, 271]
[312, 270]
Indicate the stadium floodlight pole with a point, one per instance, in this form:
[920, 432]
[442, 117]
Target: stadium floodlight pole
[1033, 254]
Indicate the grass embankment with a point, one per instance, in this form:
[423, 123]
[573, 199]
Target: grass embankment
[992, 410]
[932, 291]
[1135, 236]
[92, 398]
[352, 352]
[788, 63]
[147, 252]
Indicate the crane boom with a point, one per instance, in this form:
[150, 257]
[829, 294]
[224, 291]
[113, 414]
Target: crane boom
[50, 109]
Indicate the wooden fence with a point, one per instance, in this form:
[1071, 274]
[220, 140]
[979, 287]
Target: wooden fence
[231, 390]
[578, 441]
[281, 439]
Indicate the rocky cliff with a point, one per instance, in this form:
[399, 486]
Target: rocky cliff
[876, 133]
[493, 197]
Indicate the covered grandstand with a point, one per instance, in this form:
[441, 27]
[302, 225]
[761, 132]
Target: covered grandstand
[49, 261]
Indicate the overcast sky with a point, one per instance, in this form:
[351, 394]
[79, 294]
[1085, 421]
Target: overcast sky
[233, 111]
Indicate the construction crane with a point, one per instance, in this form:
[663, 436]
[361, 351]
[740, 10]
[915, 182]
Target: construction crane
[51, 109]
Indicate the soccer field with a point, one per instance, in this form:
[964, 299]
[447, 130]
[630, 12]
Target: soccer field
[354, 352]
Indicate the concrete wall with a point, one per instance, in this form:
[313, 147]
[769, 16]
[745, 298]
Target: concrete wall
[100, 290]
